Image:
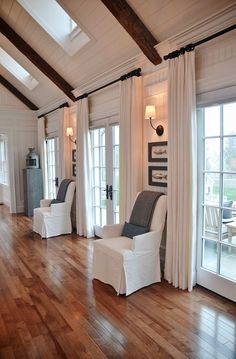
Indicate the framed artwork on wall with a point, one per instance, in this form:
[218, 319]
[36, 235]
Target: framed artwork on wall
[157, 176]
[73, 155]
[157, 151]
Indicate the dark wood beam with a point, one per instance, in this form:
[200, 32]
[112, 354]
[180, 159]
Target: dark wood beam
[18, 94]
[36, 59]
[135, 27]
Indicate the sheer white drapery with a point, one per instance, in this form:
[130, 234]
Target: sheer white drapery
[84, 209]
[64, 170]
[42, 153]
[131, 134]
[182, 173]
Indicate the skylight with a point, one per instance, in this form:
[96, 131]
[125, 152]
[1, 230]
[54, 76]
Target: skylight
[58, 24]
[17, 70]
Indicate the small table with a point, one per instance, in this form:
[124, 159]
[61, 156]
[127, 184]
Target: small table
[231, 227]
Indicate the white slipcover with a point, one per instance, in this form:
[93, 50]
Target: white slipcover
[130, 264]
[56, 219]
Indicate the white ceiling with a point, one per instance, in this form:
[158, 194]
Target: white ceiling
[110, 45]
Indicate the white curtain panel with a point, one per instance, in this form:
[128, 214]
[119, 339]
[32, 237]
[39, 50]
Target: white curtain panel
[64, 145]
[84, 210]
[42, 153]
[182, 173]
[131, 134]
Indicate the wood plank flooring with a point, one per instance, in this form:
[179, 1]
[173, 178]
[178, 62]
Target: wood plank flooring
[51, 308]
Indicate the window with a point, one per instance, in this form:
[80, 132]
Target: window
[17, 70]
[58, 24]
[3, 160]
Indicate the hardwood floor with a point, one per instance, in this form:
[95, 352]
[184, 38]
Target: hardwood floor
[51, 308]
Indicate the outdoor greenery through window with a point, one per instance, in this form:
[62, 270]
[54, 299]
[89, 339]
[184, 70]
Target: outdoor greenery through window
[219, 194]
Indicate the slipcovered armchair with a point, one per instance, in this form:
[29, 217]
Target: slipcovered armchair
[128, 264]
[54, 216]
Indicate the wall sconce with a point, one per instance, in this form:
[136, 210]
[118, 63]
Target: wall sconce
[150, 114]
[69, 133]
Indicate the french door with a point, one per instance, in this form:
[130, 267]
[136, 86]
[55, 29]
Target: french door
[52, 167]
[105, 158]
[217, 199]
[3, 161]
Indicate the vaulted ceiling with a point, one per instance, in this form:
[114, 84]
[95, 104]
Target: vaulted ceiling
[110, 46]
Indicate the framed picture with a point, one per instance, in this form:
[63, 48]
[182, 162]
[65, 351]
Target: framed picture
[157, 151]
[157, 176]
[73, 155]
[74, 170]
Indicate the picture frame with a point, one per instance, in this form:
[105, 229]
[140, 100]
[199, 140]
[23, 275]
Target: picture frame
[158, 151]
[74, 155]
[157, 176]
[74, 169]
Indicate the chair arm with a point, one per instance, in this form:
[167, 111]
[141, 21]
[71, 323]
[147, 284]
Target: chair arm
[45, 202]
[147, 241]
[112, 230]
[60, 209]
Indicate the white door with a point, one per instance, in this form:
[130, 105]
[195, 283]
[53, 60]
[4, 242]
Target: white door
[105, 157]
[217, 199]
[52, 167]
[5, 192]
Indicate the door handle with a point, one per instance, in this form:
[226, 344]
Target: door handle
[106, 190]
[110, 192]
[56, 181]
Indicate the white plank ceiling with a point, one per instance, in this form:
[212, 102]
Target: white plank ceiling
[110, 45]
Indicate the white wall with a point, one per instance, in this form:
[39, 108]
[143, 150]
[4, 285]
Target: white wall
[155, 93]
[9, 101]
[20, 127]
[5, 197]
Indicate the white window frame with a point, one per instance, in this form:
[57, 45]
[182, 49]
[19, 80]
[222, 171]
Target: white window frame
[51, 188]
[3, 161]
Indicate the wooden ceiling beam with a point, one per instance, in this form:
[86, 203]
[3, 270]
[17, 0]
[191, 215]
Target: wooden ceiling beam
[135, 27]
[36, 59]
[18, 94]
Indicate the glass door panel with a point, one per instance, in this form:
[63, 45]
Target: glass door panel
[52, 166]
[217, 201]
[227, 267]
[99, 176]
[115, 172]
[229, 126]
[105, 157]
[209, 254]
[212, 151]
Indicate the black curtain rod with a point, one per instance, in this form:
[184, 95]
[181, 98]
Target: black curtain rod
[65, 104]
[191, 47]
[136, 72]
